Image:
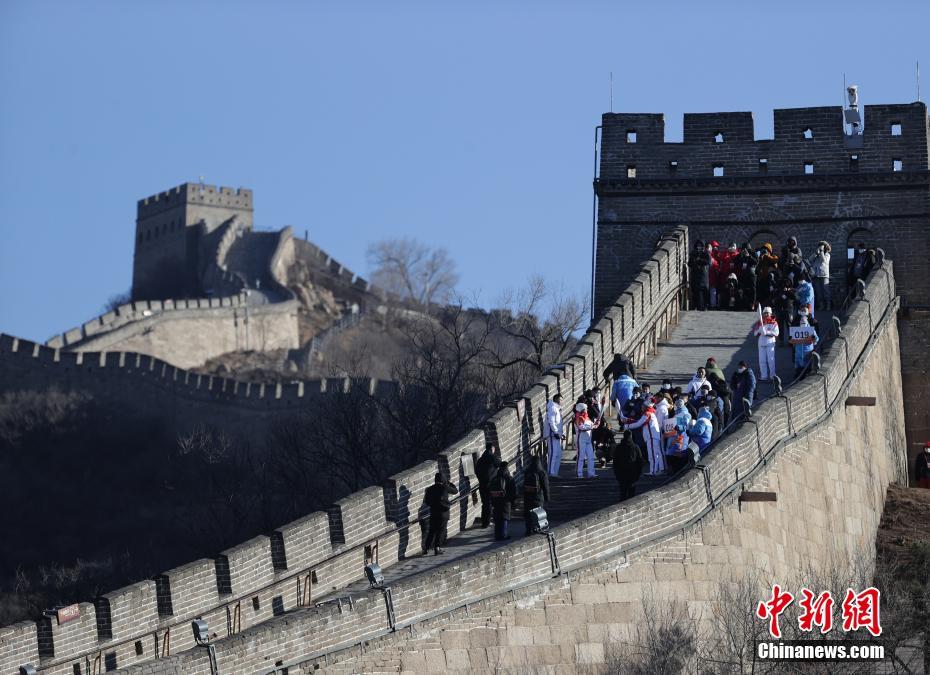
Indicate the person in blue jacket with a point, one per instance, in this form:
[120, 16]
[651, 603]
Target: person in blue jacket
[804, 348]
[703, 429]
[621, 392]
[804, 294]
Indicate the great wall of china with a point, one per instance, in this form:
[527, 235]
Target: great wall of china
[290, 601]
[540, 601]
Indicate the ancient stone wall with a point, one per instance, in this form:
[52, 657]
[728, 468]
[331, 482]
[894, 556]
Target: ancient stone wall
[522, 607]
[251, 584]
[189, 332]
[144, 383]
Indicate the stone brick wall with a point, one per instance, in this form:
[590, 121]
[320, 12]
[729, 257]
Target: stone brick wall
[184, 399]
[508, 608]
[189, 338]
[248, 586]
[137, 311]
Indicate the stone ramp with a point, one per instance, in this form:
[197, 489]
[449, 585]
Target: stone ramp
[250, 257]
[723, 335]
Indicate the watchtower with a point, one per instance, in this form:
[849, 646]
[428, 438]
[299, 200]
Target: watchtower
[819, 178]
[172, 230]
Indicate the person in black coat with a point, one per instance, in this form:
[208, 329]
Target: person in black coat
[503, 492]
[535, 489]
[743, 385]
[485, 468]
[618, 366]
[628, 464]
[437, 499]
[699, 266]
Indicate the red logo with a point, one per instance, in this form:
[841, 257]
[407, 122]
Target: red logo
[818, 611]
[860, 610]
[771, 609]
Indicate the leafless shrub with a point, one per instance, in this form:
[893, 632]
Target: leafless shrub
[117, 300]
[665, 641]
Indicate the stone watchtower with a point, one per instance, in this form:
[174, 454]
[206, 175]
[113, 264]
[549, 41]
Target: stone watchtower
[173, 231]
[816, 179]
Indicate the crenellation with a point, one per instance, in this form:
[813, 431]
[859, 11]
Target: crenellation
[245, 568]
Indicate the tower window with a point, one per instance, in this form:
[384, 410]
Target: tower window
[718, 137]
[808, 168]
[895, 128]
[854, 162]
[808, 133]
[718, 170]
[630, 136]
[897, 165]
[763, 164]
[631, 171]
[673, 166]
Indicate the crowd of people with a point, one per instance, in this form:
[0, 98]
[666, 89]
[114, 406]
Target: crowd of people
[743, 278]
[665, 427]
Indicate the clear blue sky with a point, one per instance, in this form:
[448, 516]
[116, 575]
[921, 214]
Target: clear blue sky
[465, 125]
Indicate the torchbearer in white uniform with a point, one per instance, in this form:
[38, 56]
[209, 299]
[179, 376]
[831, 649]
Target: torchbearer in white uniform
[554, 435]
[766, 329]
[583, 427]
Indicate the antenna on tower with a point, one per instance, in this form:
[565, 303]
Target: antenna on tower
[918, 81]
[201, 183]
[612, 91]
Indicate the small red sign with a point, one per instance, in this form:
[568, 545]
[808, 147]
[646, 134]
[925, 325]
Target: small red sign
[69, 613]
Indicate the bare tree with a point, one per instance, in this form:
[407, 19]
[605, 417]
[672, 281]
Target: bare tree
[412, 270]
[534, 330]
[117, 300]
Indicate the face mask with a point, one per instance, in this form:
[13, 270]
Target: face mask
[740, 370]
[666, 385]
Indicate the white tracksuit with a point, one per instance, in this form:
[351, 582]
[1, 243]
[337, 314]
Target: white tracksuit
[585, 446]
[553, 436]
[694, 386]
[767, 332]
[652, 434]
[661, 416]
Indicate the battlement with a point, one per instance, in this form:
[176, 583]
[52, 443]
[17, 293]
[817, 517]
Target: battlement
[194, 193]
[806, 140]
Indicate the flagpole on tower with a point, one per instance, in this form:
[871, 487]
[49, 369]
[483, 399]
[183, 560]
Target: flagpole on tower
[612, 91]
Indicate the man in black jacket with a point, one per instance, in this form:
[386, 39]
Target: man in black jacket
[628, 464]
[485, 468]
[535, 489]
[437, 499]
[503, 491]
[618, 366]
[699, 266]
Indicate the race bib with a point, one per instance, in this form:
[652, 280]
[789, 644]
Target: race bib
[800, 332]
